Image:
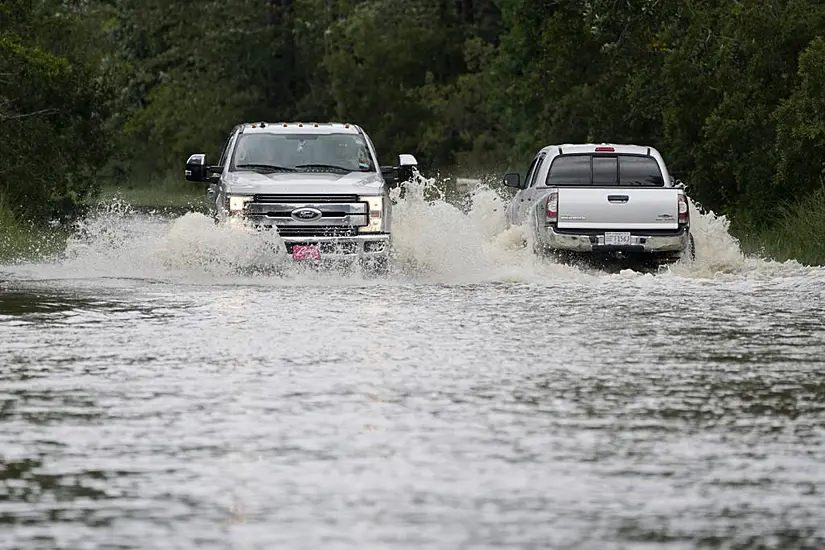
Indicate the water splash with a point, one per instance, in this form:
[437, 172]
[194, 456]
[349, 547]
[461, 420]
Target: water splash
[118, 241]
[719, 255]
[717, 251]
[434, 240]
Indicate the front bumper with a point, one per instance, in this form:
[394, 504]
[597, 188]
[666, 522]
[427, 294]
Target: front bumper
[344, 248]
[593, 241]
[347, 246]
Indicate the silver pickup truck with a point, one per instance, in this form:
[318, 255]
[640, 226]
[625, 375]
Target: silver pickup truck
[319, 185]
[602, 200]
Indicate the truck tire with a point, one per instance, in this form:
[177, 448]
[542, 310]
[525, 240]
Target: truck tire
[691, 248]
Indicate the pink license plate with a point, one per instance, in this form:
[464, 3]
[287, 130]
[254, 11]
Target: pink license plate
[306, 252]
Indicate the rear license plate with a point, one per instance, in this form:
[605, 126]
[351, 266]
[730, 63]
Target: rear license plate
[617, 239]
[302, 252]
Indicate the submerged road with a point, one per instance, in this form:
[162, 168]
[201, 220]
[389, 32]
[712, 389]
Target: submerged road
[475, 398]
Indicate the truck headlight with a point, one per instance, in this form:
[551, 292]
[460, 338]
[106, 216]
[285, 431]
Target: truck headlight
[375, 215]
[237, 203]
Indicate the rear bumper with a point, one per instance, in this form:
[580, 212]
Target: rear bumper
[550, 238]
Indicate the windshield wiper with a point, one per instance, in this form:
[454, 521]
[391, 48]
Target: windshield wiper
[327, 166]
[272, 167]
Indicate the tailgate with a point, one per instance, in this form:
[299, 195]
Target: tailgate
[618, 208]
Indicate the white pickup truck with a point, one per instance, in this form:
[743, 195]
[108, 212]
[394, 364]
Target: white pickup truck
[319, 185]
[602, 200]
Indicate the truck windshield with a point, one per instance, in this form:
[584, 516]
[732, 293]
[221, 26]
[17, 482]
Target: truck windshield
[624, 170]
[303, 152]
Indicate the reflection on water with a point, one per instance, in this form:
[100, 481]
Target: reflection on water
[24, 303]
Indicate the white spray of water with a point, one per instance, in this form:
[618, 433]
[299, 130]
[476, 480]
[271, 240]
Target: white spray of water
[436, 240]
[119, 242]
[718, 254]
[717, 251]
[433, 241]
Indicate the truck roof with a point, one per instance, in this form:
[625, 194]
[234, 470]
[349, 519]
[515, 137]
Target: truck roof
[300, 128]
[578, 148]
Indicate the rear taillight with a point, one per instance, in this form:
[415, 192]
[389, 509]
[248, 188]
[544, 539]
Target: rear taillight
[684, 210]
[552, 207]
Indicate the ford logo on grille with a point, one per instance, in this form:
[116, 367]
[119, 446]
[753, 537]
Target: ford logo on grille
[306, 214]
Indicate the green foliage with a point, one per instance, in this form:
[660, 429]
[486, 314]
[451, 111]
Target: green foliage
[461, 130]
[21, 242]
[171, 192]
[753, 66]
[51, 113]
[730, 92]
[801, 126]
[797, 234]
[384, 53]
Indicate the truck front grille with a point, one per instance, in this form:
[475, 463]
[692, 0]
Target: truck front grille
[325, 214]
[316, 231]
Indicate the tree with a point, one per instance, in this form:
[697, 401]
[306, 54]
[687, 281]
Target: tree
[51, 110]
[800, 121]
[383, 52]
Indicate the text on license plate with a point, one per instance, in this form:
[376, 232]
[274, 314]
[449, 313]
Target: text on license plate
[617, 238]
[306, 252]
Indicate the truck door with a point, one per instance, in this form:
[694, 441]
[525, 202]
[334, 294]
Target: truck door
[530, 192]
[522, 200]
[215, 179]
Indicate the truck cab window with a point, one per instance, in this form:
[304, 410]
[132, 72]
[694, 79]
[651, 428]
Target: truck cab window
[531, 172]
[570, 170]
[622, 170]
[226, 147]
[536, 169]
[642, 171]
[605, 170]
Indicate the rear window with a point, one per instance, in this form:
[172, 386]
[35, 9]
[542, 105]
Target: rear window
[626, 170]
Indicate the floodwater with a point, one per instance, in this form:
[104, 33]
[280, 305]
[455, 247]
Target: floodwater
[156, 392]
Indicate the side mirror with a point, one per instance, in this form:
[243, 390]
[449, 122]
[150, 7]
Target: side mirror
[407, 160]
[512, 179]
[407, 165]
[196, 168]
[388, 170]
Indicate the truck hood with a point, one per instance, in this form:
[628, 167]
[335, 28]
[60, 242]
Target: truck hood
[304, 183]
